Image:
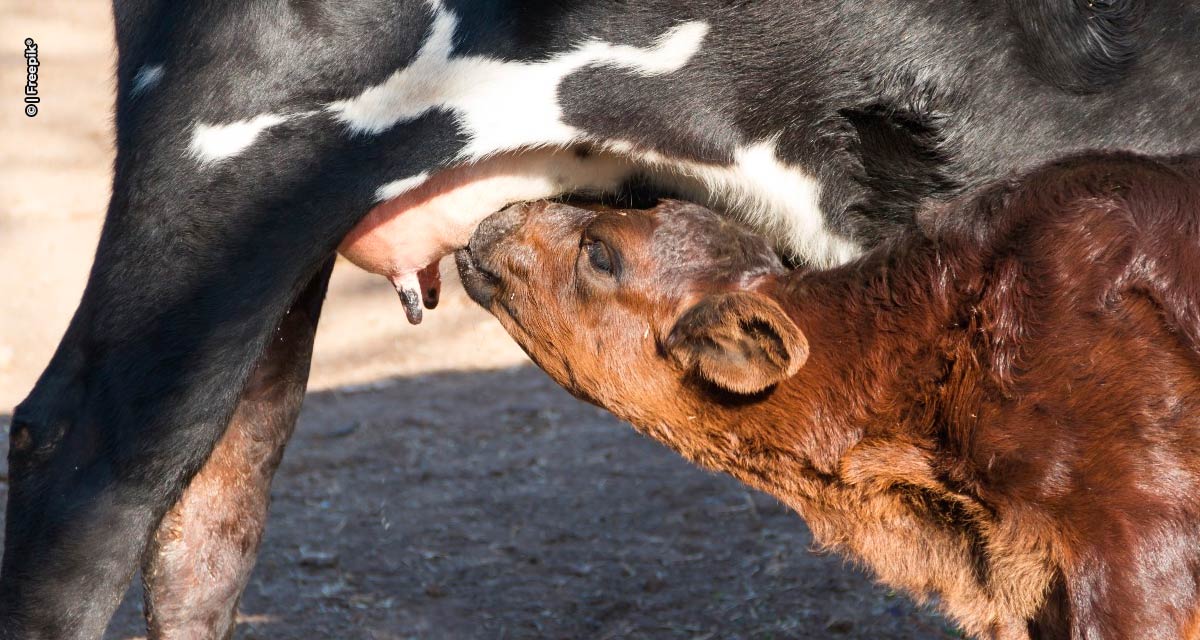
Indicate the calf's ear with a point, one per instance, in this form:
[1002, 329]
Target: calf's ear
[740, 341]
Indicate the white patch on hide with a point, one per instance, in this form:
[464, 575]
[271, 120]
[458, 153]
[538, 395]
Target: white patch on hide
[397, 188]
[782, 202]
[502, 105]
[213, 142]
[146, 78]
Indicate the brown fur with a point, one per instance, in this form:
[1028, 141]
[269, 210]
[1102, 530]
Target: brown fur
[999, 412]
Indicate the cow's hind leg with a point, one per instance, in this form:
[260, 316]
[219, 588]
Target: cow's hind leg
[200, 558]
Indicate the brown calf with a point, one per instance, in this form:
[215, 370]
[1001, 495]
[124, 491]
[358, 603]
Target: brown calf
[1003, 414]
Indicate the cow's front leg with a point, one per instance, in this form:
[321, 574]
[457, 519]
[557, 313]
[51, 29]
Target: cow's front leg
[201, 556]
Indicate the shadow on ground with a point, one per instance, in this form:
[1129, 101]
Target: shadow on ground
[493, 505]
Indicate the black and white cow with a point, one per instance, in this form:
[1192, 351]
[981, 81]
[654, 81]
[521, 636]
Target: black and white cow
[253, 136]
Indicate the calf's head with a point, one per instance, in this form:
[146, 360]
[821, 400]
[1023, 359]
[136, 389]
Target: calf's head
[639, 311]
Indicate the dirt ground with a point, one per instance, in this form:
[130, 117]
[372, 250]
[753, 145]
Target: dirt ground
[439, 486]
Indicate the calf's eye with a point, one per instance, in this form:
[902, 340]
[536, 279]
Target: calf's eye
[599, 256]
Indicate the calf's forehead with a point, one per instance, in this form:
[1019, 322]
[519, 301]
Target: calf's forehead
[692, 242]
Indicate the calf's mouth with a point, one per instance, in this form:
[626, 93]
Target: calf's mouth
[476, 262]
[479, 283]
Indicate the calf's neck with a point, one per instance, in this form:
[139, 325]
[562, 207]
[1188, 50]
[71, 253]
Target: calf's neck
[999, 412]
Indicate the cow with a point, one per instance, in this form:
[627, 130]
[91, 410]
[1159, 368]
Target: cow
[998, 412]
[254, 139]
